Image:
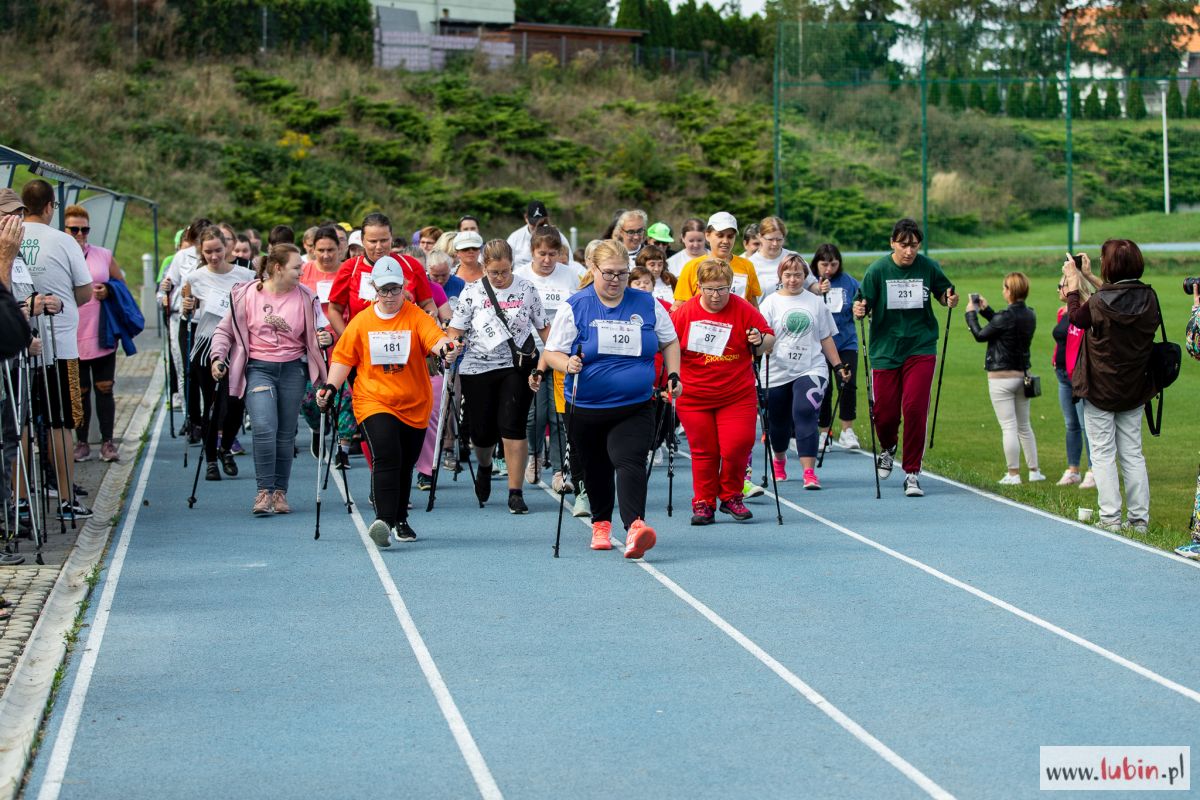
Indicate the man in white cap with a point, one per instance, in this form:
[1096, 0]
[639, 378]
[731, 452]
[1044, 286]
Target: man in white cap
[535, 215]
[721, 234]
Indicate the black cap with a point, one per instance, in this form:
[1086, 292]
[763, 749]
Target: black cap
[535, 210]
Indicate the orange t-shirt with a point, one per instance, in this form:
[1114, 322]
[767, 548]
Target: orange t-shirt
[402, 390]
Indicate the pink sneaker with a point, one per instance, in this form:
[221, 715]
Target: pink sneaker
[779, 465]
[810, 479]
[602, 536]
[735, 508]
[641, 537]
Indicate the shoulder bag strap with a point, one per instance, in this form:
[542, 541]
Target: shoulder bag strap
[512, 344]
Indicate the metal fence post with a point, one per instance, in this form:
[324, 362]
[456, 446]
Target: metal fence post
[924, 140]
[562, 40]
[1069, 155]
[524, 47]
[778, 122]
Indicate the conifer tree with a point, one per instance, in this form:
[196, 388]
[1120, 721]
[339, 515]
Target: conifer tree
[975, 96]
[1014, 102]
[1033, 101]
[1112, 102]
[1174, 101]
[1092, 109]
[1135, 104]
[1051, 102]
[1192, 109]
[991, 103]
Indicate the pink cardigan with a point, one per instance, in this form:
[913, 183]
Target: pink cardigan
[229, 343]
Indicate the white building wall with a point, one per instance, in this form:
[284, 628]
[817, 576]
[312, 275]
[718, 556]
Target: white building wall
[429, 11]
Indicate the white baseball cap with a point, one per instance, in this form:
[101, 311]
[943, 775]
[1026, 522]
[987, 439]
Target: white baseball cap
[387, 271]
[466, 239]
[355, 239]
[722, 221]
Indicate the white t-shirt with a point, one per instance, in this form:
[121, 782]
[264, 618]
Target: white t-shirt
[767, 270]
[800, 323]
[554, 289]
[56, 266]
[212, 294]
[182, 264]
[486, 347]
[663, 292]
[676, 262]
[519, 240]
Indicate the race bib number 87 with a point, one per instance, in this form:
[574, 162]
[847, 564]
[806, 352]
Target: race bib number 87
[709, 338]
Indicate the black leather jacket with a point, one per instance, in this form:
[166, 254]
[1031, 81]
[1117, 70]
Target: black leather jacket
[1007, 333]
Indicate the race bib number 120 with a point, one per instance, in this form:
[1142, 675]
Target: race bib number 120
[618, 338]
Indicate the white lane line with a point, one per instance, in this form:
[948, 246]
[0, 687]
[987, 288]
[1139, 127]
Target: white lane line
[56, 767]
[809, 693]
[1092, 529]
[458, 726]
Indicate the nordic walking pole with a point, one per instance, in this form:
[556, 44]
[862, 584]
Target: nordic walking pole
[672, 447]
[941, 369]
[862, 326]
[185, 291]
[67, 464]
[62, 525]
[566, 465]
[761, 396]
[320, 458]
[166, 315]
[208, 416]
[837, 403]
[439, 444]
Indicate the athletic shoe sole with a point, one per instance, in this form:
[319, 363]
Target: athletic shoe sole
[640, 542]
[380, 533]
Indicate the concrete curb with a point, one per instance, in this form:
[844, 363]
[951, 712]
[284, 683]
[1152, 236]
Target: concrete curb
[23, 703]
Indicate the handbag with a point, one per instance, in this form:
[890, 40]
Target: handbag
[525, 358]
[1033, 385]
[1163, 367]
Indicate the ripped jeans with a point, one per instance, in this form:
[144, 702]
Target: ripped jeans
[274, 391]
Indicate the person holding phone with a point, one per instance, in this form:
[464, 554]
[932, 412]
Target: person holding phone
[1067, 341]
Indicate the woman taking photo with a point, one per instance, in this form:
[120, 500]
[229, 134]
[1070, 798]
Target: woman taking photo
[839, 288]
[796, 369]
[1119, 322]
[393, 397]
[205, 303]
[619, 331]
[498, 315]
[719, 335]
[1067, 341]
[1008, 334]
[269, 345]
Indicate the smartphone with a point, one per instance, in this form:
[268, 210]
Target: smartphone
[1078, 261]
[975, 298]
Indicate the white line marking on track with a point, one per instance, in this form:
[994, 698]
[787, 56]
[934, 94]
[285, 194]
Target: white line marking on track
[809, 693]
[56, 767]
[454, 719]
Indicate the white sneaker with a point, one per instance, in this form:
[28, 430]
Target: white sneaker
[658, 456]
[1010, 480]
[849, 440]
[177, 401]
[583, 506]
[1036, 476]
[1070, 478]
[559, 485]
[912, 486]
[533, 471]
[1089, 481]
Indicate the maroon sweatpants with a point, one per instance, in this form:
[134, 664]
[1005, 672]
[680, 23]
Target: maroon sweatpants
[904, 391]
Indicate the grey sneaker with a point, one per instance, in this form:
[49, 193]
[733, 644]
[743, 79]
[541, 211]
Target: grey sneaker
[885, 461]
[1138, 525]
[912, 486]
[380, 533]
[583, 506]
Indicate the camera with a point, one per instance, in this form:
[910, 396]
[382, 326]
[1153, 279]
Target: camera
[1078, 259]
[1189, 285]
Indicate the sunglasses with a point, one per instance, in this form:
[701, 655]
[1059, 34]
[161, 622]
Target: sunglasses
[76, 229]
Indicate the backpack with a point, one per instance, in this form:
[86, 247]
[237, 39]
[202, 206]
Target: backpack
[1166, 357]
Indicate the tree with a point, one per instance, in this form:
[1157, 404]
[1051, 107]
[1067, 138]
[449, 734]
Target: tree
[934, 96]
[991, 103]
[564, 12]
[1051, 102]
[1033, 101]
[975, 96]
[1135, 104]
[1076, 99]
[1193, 101]
[632, 14]
[1014, 102]
[954, 96]
[1091, 107]
[1148, 37]
[1112, 102]
[1174, 101]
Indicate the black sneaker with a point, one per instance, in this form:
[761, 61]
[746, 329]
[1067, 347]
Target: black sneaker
[404, 533]
[195, 435]
[483, 484]
[227, 463]
[424, 481]
[314, 444]
[80, 491]
[74, 511]
[213, 473]
[341, 459]
[885, 461]
[516, 504]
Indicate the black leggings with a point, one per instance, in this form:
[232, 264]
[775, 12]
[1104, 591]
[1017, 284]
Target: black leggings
[224, 413]
[499, 401]
[608, 440]
[96, 378]
[191, 400]
[848, 407]
[395, 448]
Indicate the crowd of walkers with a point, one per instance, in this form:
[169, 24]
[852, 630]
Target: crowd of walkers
[441, 350]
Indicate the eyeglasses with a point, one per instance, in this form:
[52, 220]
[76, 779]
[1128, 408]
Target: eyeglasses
[389, 290]
[611, 277]
[635, 232]
[715, 291]
[497, 276]
[76, 229]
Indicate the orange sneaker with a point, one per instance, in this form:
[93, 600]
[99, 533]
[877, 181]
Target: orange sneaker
[602, 536]
[641, 538]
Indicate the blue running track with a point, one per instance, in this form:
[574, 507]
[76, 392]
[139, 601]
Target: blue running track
[866, 648]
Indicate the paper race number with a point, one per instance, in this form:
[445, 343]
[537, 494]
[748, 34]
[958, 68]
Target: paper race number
[709, 338]
[836, 298]
[738, 286]
[217, 306]
[491, 333]
[366, 289]
[904, 295]
[389, 347]
[323, 290]
[618, 338]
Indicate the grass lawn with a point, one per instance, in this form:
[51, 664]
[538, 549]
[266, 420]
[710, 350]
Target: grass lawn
[967, 444]
[1146, 227]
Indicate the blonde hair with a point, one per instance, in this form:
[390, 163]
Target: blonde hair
[772, 225]
[278, 256]
[1017, 285]
[589, 259]
[496, 250]
[608, 250]
[75, 211]
[445, 244]
[714, 269]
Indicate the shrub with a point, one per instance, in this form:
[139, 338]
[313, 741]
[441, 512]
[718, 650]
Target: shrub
[1014, 102]
[991, 102]
[1091, 107]
[975, 96]
[1193, 100]
[1033, 101]
[1052, 103]
[1112, 102]
[1174, 101]
[1135, 104]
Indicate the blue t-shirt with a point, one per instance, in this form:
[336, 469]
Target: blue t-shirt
[847, 335]
[454, 286]
[608, 380]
